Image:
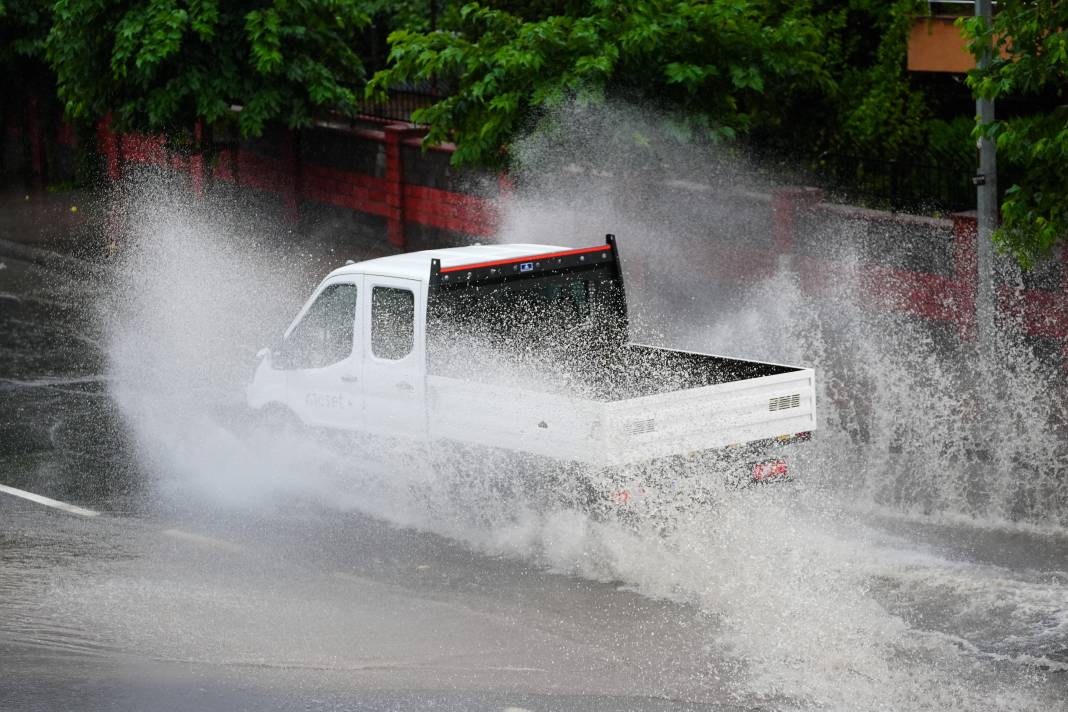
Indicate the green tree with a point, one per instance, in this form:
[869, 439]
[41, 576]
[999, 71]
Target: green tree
[23, 27]
[786, 80]
[881, 114]
[869, 108]
[725, 66]
[159, 65]
[1030, 62]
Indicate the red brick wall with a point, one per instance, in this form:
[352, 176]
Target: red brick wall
[1041, 313]
[298, 182]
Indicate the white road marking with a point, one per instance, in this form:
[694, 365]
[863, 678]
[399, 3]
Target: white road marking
[49, 502]
[49, 381]
[201, 539]
[82, 511]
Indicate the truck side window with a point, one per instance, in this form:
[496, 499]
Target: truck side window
[324, 336]
[392, 322]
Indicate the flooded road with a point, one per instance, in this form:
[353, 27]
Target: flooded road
[208, 582]
[115, 611]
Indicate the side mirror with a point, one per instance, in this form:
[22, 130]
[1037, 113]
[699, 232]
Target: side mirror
[276, 356]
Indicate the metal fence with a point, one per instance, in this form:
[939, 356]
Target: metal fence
[400, 104]
[898, 185]
[951, 8]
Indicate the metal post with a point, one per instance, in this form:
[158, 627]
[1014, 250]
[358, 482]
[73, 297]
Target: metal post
[986, 182]
[987, 210]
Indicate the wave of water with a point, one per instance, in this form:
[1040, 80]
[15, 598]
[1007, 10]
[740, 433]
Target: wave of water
[819, 606]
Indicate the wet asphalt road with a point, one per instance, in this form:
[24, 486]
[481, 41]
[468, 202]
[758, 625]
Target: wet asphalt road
[164, 605]
[302, 610]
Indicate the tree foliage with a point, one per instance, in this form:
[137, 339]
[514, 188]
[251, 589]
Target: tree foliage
[159, 65]
[792, 78]
[1030, 60]
[882, 115]
[26, 84]
[724, 65]
[23, 27]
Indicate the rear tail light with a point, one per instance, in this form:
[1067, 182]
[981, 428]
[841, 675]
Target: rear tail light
[624, 496]
[770, 470]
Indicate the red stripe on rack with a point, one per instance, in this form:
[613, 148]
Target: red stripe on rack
[529, 258]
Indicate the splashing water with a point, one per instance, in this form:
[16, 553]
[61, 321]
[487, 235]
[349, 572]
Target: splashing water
[819, 605]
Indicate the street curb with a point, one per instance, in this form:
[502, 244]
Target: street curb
[51, 260]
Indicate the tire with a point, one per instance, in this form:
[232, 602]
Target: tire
[277, 418]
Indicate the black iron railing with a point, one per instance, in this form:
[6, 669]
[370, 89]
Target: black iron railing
[898, 185]
[951, 8]
[400, 104]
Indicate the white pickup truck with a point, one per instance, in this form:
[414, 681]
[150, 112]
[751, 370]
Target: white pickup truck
[524, 349]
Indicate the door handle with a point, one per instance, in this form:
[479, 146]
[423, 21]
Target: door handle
[405, 386]
[350, 379]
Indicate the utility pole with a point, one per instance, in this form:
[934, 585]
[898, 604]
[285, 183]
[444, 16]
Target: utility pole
[986, 182]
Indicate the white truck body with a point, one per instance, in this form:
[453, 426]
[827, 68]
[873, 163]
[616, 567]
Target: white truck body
[389, 387]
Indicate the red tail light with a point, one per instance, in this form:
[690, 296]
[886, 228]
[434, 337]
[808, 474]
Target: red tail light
[770, 470]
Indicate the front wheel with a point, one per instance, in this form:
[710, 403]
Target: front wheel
[275, 418]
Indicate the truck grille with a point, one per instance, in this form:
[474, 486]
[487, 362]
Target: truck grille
[639, 427]
[784, 402]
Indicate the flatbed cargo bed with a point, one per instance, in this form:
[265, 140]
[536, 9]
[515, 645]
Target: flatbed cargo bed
[637, 370]
[606, 375]
[643, 417]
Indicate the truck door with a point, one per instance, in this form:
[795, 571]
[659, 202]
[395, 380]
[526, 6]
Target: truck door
[393, 356]
[322, 359]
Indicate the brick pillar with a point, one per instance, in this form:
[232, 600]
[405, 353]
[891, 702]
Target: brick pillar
[196, 161]
[1064, 305]
[965, 266]
[109, 146]
[787, 204]
[505, 185]
[291, 178]
[395, 135]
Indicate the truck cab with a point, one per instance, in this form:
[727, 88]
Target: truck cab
[355, 355]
